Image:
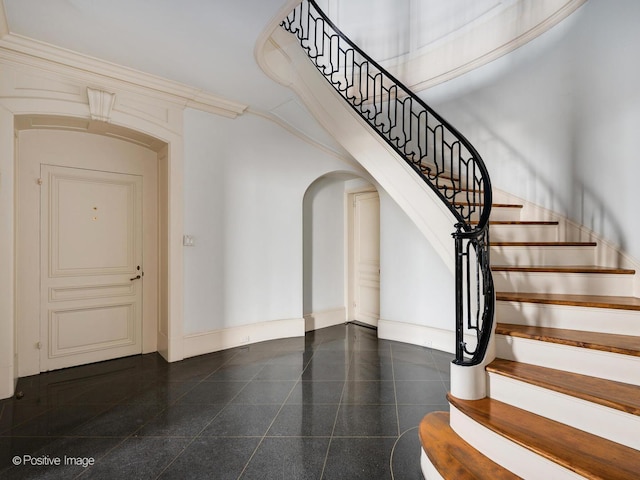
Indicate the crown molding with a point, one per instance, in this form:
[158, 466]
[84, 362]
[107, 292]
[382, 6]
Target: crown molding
[490, 38]
[105, 75]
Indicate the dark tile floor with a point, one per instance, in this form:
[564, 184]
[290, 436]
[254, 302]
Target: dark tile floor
[337, 404]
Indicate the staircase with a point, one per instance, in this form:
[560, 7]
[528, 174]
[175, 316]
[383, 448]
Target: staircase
[563, 392]
[563, 396]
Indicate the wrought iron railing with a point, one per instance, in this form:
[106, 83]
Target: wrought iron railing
[442, 156]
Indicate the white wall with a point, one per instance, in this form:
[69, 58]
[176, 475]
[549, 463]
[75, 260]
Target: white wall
[324, 245]
[245, 184]
[245, 180]
[556, 121]
[416, 287]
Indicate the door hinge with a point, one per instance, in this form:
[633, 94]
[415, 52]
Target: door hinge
[39, 345]
[39, 181]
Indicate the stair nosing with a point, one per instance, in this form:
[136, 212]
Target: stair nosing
[541, 377]
[544, 244]
[581, 452]
[522, 222]
[604, 342]
[463, 455]
[588, 269]
[493, 205]
[589, 301]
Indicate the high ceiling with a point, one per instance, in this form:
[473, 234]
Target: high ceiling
[209, 44]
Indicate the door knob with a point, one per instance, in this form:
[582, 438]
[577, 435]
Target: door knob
[135, 278]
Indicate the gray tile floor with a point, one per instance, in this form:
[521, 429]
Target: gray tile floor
[337, 404]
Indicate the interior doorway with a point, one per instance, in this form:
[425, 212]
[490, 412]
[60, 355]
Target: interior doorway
[87, 231]
[364, 257]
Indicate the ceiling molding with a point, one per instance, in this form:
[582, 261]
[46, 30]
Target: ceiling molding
[434, 64]
[18, 49]
[303, 136]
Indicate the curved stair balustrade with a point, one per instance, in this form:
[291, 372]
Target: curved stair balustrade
[434, 149]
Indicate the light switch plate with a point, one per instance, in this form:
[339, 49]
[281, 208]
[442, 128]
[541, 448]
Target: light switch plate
[188, 240]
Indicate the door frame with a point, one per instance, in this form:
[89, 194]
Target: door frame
[350, 244]
[57, 94]
[28, 322]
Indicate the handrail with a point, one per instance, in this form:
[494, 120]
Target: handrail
[440, 154]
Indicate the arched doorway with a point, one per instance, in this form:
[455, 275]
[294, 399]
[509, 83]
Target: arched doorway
[88, 221]
[332, 212]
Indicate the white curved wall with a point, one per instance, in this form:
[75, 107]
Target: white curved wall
[556, 121]
[324, 246]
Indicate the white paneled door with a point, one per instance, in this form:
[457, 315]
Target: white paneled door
[91, 266]
[366, 258]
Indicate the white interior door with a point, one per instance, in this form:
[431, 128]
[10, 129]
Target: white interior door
[91, 266]
[366, 258]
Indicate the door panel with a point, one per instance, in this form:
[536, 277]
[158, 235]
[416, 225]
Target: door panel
[91, 256]
[366, 267]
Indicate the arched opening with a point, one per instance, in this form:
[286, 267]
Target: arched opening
[330, 278]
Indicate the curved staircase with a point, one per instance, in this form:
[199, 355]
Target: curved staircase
[563, 394]
[561, 399]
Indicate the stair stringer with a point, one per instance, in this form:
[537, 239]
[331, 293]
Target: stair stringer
[283, 60]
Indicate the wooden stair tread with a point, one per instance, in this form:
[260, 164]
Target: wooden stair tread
[562, 269]
[454, 458]
[520, 222]
[617, 395]
[593, 301]
[543, 244]
[588, 455]
[496, 205]
[606, 342]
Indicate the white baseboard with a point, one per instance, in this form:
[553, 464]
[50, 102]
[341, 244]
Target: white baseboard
[8, 381]
[421, 335]
[326, 318]
[216, 340]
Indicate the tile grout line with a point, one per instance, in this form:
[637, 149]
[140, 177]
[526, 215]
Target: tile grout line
[349, 353]
[335, 419]
[198, 435]
[284, 402]
[395, 389]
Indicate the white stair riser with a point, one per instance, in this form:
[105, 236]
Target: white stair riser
[503, 214]
[604, 320]
[506, 453]
[429, 471]
[524, 233]
[596, 363]
[564, 283]
[543, 256]
[591, 417]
